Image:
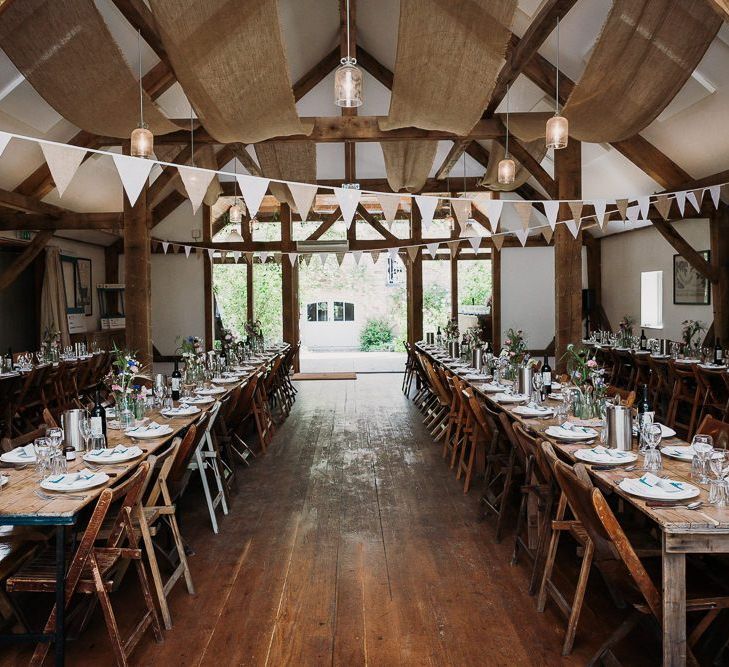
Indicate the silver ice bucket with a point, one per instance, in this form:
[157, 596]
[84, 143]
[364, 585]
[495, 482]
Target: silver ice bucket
[430, 338]
[70, 421]
[524, 380]
[454, 349]
[477, 358]
[619, 424]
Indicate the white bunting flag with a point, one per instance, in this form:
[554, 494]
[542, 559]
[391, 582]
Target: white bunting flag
[303, 196]
[63, 162]
[196, 182]
[263, 256]
[462, 211]
[4, 140]
[493, 212]
[211, 252]
[347, 198]
[547, 233]
[134, 172]
[389, 204]
[714, 191]
[323, 258]
[524, 211]
[644, 204]
[573, 226]
[681, 201]
[432, 249]
[551, 209]
[412, 251]
[187, 249]
[632, 214]
[165, 245]
[622, 206]
[663, 205]
[292, 257]
[475, 242]
[695, 197]
[498, 241]
[599, 205]
[357, 254]
[236, 256]
[427, 206]
[253, 190]
[375, 254]
[522, 235]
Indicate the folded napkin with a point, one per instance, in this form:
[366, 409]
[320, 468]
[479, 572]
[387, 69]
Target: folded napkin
[569, 426]
[668, 485]
[150, 426]
[26, 451]
[72, 480]
[614, 453]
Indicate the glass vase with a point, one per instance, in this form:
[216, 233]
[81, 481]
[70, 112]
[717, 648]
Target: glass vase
[125, 410]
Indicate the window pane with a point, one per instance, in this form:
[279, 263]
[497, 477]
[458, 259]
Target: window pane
[338, 311]
[651, 299]
[322, 311]
[311, 312]
[349, 312]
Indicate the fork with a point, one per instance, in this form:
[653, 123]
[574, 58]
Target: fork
[47, 496]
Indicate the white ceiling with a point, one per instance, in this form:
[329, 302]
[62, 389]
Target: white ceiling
[691, 131]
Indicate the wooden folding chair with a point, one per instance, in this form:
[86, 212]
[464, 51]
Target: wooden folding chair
[94, 570]
[717, 429]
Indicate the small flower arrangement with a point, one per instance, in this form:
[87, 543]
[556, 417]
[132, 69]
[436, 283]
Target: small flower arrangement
[581, 365]
[626, 324]
[190, 347]
[125, 367]
[451, 329]
[690, 329]
[227, 339]
[515, 347]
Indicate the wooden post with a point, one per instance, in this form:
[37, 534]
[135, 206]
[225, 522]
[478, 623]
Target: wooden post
[111, 271]
[496, 300]
[593, 247]
[719, 236]
[454, 275]
[208, 302]
[567, 253]
[289, 284]
[249, 292]
[414, 284]
[137, 277]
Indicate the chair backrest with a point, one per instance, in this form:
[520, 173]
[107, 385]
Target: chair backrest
[508, 429]
[530, 447]
[713, 381]
[129, 495]
[185, 452]
[6, 444]
[627, 398]
[717, 429]
[156, 483]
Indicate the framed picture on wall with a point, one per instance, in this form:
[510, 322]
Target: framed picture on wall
[83, 286]
[690, 288]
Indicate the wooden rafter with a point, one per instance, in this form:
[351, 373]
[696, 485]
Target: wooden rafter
[683, 248]
[450, 160]
[373, 222]
[326, 224]
[28, 204]
[517, 150]
[22, 261]
[721, 7]
[87, 221]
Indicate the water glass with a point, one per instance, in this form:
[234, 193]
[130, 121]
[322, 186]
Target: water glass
[58, 464]
[43, 449]
[97, 441]
[85, 429]
[703, 446]
[718, 485]
[652, 456]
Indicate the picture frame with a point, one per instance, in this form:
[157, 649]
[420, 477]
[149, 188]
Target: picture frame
[84, 295]
[690, 288]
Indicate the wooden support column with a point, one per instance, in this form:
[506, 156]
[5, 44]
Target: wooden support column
[414, 284]
[137, 278]
[567, 253]
[289, 284]
[111, 271]
[454, 274]
[496, 300]
[719, 237]
[593, 247]
[208, 301]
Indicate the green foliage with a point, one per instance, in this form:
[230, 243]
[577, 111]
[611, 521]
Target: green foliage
[267, 300]
[436, 305]
[229, 282]
[474, 282]
[376, 334]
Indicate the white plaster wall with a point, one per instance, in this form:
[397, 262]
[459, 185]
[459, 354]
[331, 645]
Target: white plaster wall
[625, 256]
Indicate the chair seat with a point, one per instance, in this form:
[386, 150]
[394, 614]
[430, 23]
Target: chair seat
[39, 574]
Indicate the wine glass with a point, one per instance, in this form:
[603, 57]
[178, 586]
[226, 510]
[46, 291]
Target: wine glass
[703, 446]
[652, 456]
[717, 486]
[42, 448]
[85, 429]
[537, 384]
[160, 391]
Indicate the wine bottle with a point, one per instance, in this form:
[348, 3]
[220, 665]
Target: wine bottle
[718, 353]
[645, 410]
[546, 377]
[9, 359]
[98, 415]
[643, 340]
[176, 382]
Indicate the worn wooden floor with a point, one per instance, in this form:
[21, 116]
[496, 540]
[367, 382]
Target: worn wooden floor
[350, 543]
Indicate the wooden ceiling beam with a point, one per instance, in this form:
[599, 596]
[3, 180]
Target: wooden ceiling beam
[22, 261]
[454, 154]
[28, 204]
[721, 7]
[373, 222]
[75, 221]
[683, 248]
[140, 17]
[326, 224]
[525, 158]
[375, 68]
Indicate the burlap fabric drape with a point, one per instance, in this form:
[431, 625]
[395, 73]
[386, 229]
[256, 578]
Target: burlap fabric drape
[67, 54]
[230, 59]
[645, 54]
[288, 161]
[53, 297]
[448, 57]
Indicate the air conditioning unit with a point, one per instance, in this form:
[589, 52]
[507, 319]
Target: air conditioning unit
[322, 246]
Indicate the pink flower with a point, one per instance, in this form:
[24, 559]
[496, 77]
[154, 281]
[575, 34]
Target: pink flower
[512, 354]
[592, 364]
[507, 341]
[134, 369]
[116, 387]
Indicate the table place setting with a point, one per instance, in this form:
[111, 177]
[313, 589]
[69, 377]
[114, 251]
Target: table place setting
[602, 455]
[74, 481]
[180, 411]
[652, 487]
[149, 430]
[19, 455]
[226, 380]
[197, 400]
[210, 391]
[531, 409]
[510, 398]
[118, 454]
[571, 432]
[666, 432]
[493, 387]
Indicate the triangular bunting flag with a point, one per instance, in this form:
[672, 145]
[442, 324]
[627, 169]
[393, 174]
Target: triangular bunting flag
[211, 252]
[187, 250]
[323, 258]
[347, 198]
[622, 206]
[292, 257]
[493, 212]
[248, 257]
[389, 204]
[263, 256]
[165, 245]
[522, 235]
[663, 205]
[340, 258]
[453, 245]
[63, 162]
[498, 240]
[236, 256]
[551, 209]
[223, 255]
[133, 172]
[524, 211]
[427, 206]
[303, 196]
[4, 140]
[696, 197]
[599, 205]
[432, 249]
[632, 214]
[576, 212]
[644, 204]
[573, 226]
[412, 251]
[357, 254]
[375, 254]
[681, 201]
[462, 211]
[253, 190]
[547, 233]
[196, 182]
[277, 258]
[714, 191]
[475, 242]
[307, 258]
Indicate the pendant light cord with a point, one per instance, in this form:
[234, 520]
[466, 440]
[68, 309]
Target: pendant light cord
[556, 101]
[508, 89]
[349, 58]
[139, 63]
[192, 141]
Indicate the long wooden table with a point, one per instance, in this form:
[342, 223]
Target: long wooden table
[21, 506]
[701, 531]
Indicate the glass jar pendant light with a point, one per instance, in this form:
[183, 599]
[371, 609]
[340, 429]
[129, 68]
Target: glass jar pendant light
[142, 140]
[557, 133]
[348, 79]
[506, 171]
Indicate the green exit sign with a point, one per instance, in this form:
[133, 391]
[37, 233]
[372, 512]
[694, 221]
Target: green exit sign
[24, 235]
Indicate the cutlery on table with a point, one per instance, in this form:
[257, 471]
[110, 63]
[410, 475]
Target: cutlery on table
[48, 496]
[614, 467]
[658, 504]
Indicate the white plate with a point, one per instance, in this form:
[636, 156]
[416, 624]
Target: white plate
[711, 367]
[117, 454]
[182, 411]
[666, 432]
[211, 391]
[491, 388]
[511, 398]
[576, 435]
[680, 452]
[475, 376]
[16, 455]
[555, 396]
[229, 380]
[526, 411]
[149, 434]
[3, 480]
[636, 488]
[198, 400]
[615, 457]
[70, 482]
